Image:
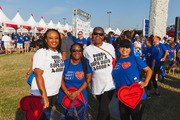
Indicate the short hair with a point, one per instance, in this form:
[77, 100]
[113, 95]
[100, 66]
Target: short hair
[96, 29]
[127, 33]
[45, 37]
[150, 40]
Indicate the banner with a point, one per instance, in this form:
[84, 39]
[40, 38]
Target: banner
[84, 26]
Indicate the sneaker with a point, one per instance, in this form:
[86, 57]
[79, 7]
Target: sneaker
[148, 97]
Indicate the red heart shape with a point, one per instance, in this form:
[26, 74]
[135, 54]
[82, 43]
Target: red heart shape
[130, 95]
[69, 103]
[79, 75]
[126, 65]
[32, 107]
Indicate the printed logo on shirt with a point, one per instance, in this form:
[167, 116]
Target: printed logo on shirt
[172, 50]
[100, 61]
[125, 65]
[58, 64]
[79, 75]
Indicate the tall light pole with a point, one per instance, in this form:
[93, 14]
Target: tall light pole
[109, 16]
[64, 20]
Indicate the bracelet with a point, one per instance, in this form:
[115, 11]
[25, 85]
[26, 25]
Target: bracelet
[27, 73]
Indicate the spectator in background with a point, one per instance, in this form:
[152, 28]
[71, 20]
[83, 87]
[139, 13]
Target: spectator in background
[26, 42]
[7, 43]
[65, 47]
[127, 35]
[81, 39]
[89, 39]
[15, 42]
[138, 47]
[20, 43]
[73, 38]
[111, 37]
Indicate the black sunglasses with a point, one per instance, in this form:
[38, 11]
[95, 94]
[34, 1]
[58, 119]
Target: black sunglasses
[100, 34]
[76, 50]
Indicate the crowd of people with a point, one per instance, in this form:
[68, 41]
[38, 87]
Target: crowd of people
[19, 43]
[65, 65]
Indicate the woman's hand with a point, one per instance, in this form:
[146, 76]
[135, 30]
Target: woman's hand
[143, 84]
[73, 95]
[45, 101]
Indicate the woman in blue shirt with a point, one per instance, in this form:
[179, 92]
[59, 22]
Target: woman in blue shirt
[125, 73]
[76, 77]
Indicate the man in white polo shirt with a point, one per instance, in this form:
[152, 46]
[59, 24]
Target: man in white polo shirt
[7, 43]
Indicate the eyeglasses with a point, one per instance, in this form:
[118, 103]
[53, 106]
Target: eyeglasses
[79, 34]
[76, 50]
[100, 34]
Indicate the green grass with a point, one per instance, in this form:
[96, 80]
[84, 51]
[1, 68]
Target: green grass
[13, 87]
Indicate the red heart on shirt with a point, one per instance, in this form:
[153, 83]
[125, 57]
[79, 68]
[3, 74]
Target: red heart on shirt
[130, 95]
[32, 107]
[79, 75]
[125, 65]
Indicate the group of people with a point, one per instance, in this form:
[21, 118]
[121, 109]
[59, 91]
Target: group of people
[19, 43]
[64, 67]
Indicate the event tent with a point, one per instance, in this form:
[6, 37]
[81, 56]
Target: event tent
[42, 24]
[18, 20]
[66, 27]
[59, 27]
[51, 24]
[5, 21]
[117, 32]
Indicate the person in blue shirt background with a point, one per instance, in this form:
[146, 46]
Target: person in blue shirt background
[81, 39]
[125, 73]
[15, 42]
[163, 52]
[26, 42]
[127, 35]
[172, 56]
[20, 43]
[111, 37]
[73, 38]
[89, 39]
[77, 74]
[151, 53]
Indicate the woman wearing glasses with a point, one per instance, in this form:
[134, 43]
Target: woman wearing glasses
[100, 56]
[76, 77]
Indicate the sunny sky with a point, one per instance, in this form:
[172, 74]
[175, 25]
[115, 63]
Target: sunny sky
[127, 14]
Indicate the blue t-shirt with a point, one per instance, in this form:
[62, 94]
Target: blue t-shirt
[81, 41]
[111, 40]
[71, 38]
[126, 71]
[74, 77]
[177, 45]
[26, 38]
[89, 41]
[150, 54]
[15, 40]
[132, 49]
[171, 52]
[162, 48]
[20, 39]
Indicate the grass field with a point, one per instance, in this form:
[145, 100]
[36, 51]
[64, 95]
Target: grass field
[13, 87]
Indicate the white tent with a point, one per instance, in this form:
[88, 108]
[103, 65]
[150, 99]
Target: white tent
[51, 24]
[42, 24]
[59, 27]
[106, 30]
[18, 19]
[117, 32]
[31, 21]
[5, 21]
[66, 27]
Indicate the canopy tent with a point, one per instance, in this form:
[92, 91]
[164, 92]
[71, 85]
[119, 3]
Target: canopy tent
[51, 24]
[91, 29]
[42, 24]
[18, 20]
[106, 30]
[66, 27]
[5, 21]
[117, 32]
[59, 27]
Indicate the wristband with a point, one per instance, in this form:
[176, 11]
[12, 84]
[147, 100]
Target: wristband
[27, 73]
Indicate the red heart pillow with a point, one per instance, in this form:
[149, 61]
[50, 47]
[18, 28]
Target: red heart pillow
[130, 95]
[32, 107]
[69, 103]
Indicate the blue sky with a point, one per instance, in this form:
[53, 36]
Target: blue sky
[127, 14]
